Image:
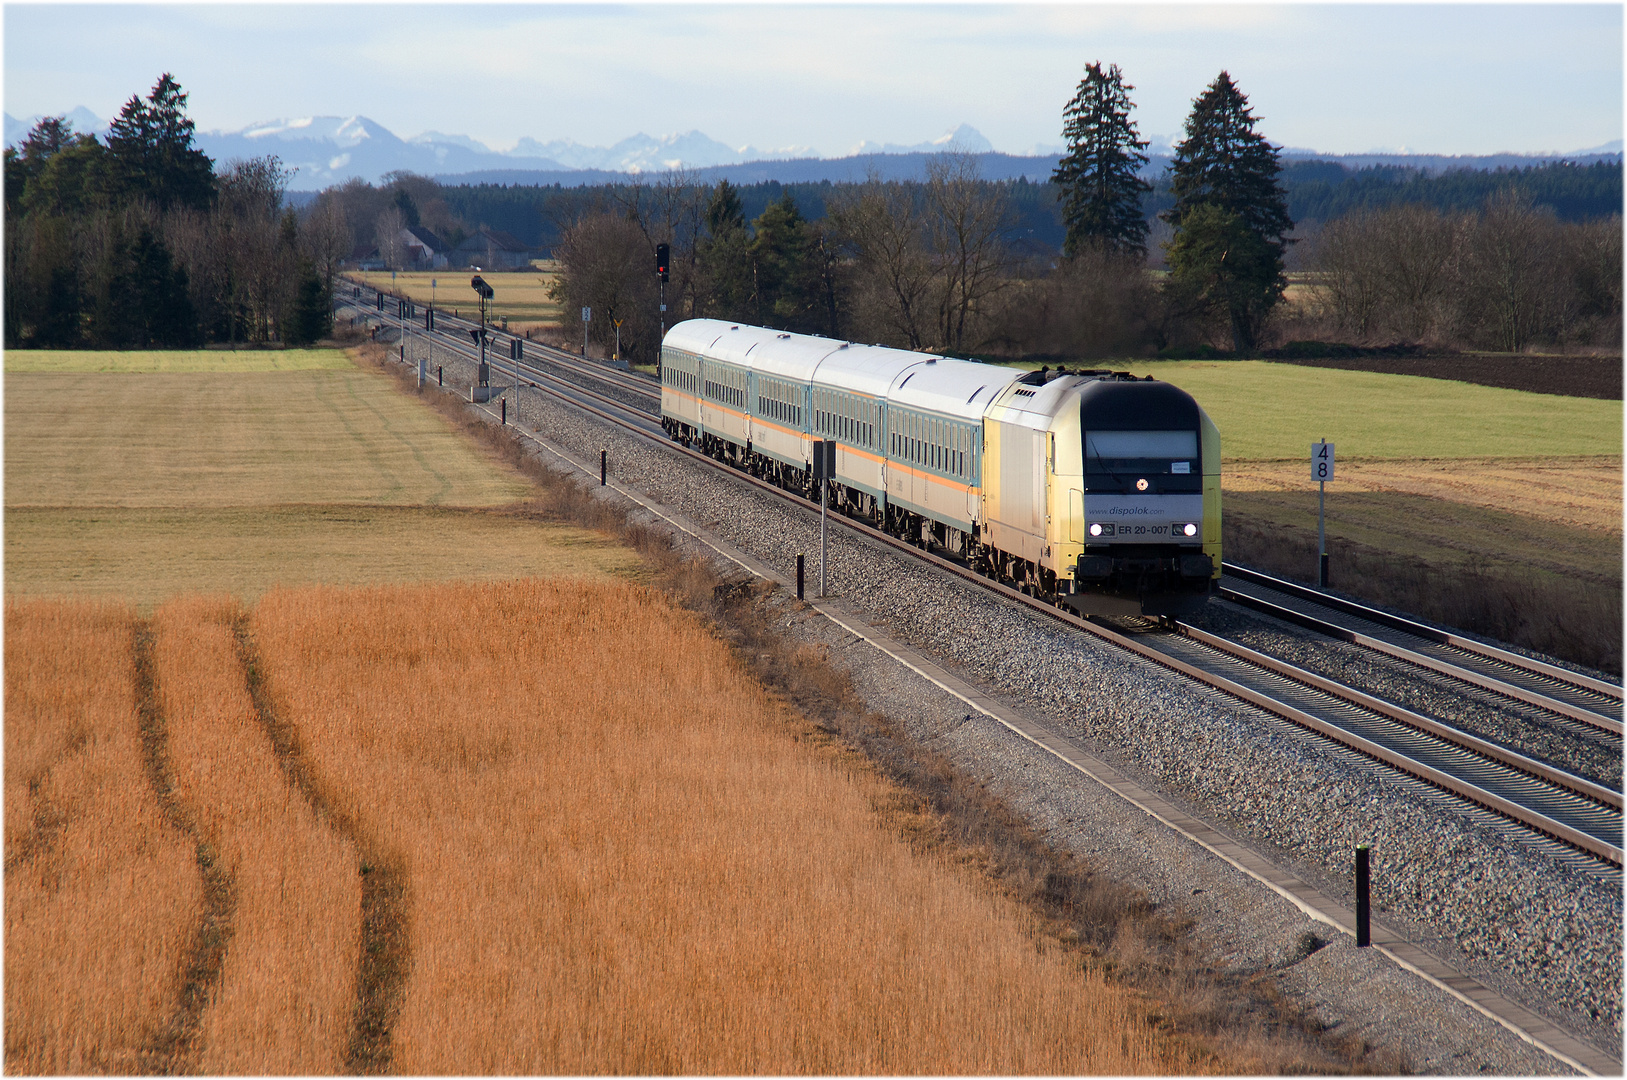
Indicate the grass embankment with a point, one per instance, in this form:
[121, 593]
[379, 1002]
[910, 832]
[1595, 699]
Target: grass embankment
[688, 890]
[1498, 511]
[127, 477]
[102, 893]
[520, 296]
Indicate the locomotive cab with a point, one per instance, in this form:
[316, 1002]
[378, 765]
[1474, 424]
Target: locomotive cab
[1150, 479]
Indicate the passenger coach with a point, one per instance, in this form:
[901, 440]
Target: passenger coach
[1095, 489]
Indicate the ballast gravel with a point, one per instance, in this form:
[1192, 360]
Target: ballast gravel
[1536, 928]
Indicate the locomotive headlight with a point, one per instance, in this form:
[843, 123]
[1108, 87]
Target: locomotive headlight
[1096, 529]
[1189, 530]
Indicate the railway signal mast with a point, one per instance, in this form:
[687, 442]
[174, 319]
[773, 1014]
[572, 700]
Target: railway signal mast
[663, 253]
[485, 292]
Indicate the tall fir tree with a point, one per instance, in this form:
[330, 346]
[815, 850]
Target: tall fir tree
[311, 316]
[1225, 165]
[785, 281]
[724, 258]
[1100, 175]
[150, 152]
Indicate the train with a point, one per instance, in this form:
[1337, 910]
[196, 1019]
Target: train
[1093, 489]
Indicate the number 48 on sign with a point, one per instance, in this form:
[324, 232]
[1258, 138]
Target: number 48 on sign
[1322, 461]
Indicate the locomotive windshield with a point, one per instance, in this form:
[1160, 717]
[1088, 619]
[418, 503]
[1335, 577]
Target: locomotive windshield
[1165, 452]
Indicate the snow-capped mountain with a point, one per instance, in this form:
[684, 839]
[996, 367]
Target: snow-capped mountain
[83, 120]
[647, 153]
[327, 150]
[964, 138]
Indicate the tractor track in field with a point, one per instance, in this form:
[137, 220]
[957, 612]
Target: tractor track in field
[172, 1048]
[385, 957]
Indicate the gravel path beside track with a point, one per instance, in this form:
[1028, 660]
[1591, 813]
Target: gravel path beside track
[1537, 931]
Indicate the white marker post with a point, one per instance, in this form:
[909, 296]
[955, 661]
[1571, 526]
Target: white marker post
[1322, 472]
[587, 317]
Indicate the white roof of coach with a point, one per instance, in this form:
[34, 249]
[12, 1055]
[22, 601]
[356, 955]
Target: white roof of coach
[960, 388]
[694, 335]
[771, 352]
[954, 387]
[865, 369]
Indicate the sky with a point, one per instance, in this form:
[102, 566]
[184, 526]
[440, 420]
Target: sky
[1456, 78]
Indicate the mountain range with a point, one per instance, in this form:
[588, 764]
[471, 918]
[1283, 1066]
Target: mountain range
[327, 150]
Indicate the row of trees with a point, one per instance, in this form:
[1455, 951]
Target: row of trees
[1501, 279]
[376, 215]
[920, 265]
[139, 242]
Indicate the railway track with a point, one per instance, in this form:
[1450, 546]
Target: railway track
[1572, 810]
[1573, 695]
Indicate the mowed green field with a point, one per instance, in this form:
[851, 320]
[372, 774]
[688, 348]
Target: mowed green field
[1271, 412]
[228, 472]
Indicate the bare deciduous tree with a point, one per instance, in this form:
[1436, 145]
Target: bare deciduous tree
[387, 234]
[967, 223]
[1346, 256]
[1505, 281]
[883, 221]
[604, 264]
[325, 238]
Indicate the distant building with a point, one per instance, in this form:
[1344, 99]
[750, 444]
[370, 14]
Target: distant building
[491, 249]
[425, 250]
[366, 257]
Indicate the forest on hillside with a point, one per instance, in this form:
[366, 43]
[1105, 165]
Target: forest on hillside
[1317, 191]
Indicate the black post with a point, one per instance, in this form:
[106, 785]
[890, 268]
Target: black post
[603, 457]
[505, 410]
[1364, 932]
[439, 381]
[1322, 572]
[799, 576]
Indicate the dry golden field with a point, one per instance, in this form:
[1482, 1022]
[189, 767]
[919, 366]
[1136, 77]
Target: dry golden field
[287, 986]
[102, 892]
[628, 858]
[520, 296]
[610, 874]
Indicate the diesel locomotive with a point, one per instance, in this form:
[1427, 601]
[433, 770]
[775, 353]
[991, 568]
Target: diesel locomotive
[1096, 490]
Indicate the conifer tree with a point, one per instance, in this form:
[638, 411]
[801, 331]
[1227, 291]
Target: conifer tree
[1099, 177]
[785, 282]
[1224, 165]
[311, 317]
[724, 258]
[150, 152]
